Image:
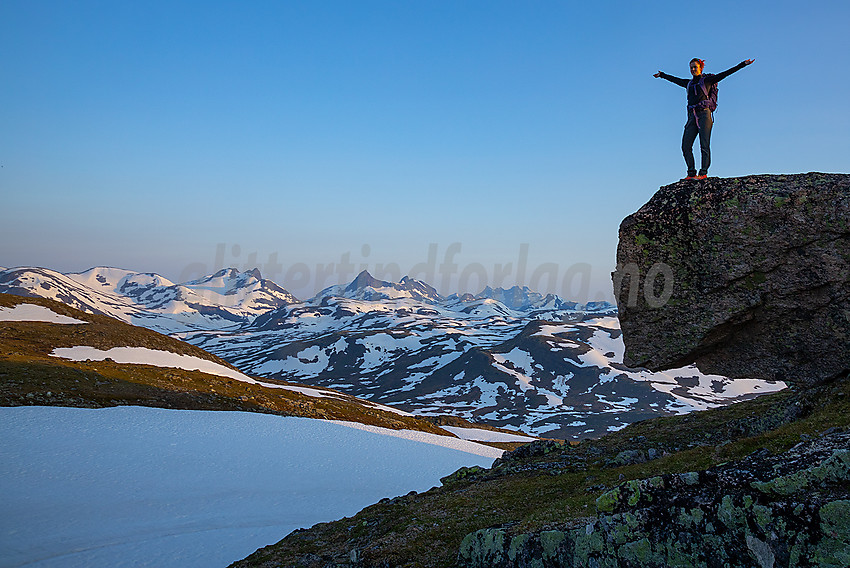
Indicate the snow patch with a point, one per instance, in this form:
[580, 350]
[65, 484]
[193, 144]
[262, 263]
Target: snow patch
[480, 435]
[607, 322]
[34, 312]
[155, 357]
[315, 393]
[427, 438]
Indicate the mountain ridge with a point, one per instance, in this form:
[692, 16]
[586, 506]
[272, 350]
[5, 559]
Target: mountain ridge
[548, 368]
[555, 373]
[151, 300]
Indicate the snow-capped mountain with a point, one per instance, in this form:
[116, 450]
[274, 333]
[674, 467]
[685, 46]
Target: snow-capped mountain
[247, 291]
[540, 364]
[367, 287]
[525, 299]
[550, 372]
[225, 299]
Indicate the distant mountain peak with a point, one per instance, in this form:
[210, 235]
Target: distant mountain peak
[229, 272]
[366, 280]
[523, 298]
[367, 287]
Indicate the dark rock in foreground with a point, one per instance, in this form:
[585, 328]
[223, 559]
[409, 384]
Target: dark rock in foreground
[765, 511]
[746, 277]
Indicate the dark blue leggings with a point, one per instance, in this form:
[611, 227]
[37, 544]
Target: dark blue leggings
[700, 124]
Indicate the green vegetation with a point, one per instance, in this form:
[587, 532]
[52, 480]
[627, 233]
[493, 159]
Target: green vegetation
[754, 280]
[642, 240]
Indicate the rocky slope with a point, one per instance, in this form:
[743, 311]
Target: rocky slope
[747, 277]
[557, 374]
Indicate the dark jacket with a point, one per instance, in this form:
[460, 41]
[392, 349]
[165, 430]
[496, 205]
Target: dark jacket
[695, 94]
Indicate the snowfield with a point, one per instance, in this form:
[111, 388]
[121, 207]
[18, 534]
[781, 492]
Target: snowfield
[154, 357]
[479, 435]
[459, 443]
[131, 486]
[34, 312]
[554, 373]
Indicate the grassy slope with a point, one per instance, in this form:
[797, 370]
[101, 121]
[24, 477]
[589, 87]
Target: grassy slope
[30, 376]
[547, 485]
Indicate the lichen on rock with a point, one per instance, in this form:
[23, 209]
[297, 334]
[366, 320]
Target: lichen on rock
[706, 519]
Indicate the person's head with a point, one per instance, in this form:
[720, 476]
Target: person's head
[697, 65]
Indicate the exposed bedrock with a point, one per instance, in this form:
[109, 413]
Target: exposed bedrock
[746, 277]
[789, 510]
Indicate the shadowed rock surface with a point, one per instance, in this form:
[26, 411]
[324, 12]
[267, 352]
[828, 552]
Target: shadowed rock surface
[746, 277]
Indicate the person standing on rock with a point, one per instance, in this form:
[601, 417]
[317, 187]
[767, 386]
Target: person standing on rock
[702, 100]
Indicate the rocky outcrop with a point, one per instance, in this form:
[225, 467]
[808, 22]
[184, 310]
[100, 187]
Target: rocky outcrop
[788, 510]
[746, 277]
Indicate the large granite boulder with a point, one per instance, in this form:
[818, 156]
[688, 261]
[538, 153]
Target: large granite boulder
[746, 277]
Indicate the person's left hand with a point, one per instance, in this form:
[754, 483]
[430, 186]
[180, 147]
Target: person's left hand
[748, 61]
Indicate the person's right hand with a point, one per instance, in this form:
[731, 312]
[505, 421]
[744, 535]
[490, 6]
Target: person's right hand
[657, 75]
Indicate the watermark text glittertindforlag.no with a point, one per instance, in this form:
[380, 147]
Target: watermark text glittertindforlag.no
[444, 271]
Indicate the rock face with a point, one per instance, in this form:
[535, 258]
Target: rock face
[746, 277]
[765, 511]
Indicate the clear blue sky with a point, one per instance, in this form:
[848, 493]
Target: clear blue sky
[178, 137]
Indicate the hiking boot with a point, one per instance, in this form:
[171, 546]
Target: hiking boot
[688, 178]
[701, 176]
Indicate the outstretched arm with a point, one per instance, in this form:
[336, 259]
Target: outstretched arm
[737, 67]
[671, 78]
